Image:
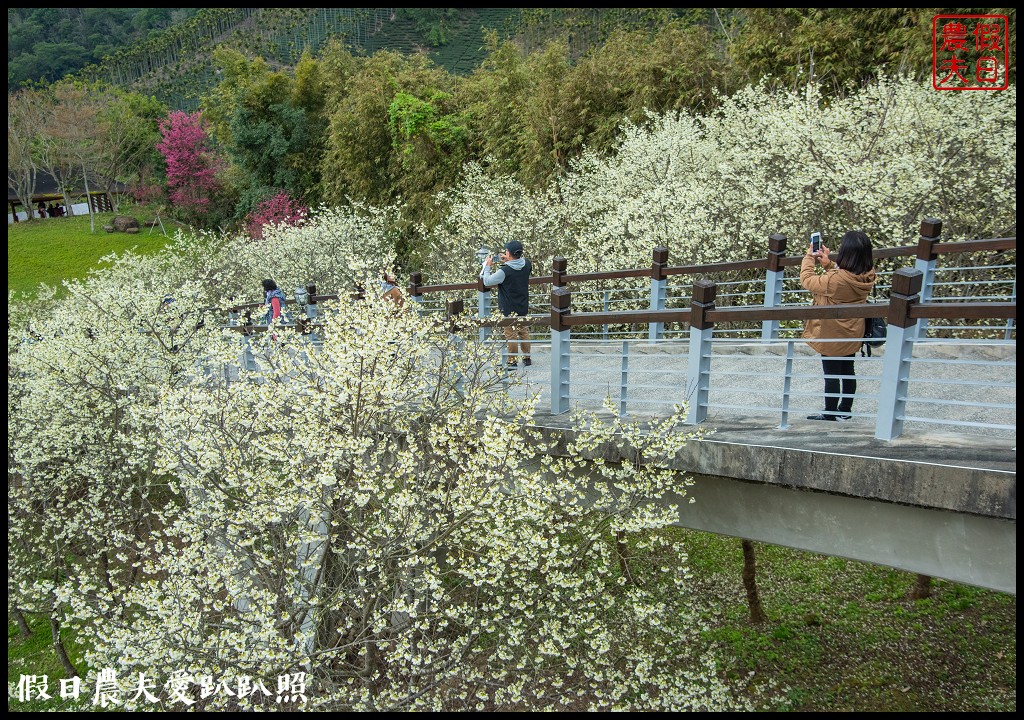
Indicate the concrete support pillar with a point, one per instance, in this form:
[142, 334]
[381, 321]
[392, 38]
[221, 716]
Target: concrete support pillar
[773, 283]
[931, 231]
[699, 361]
[483, 310]
[308, 559]
[899, 347]
[315, 337]
[659, 290]
[624, 379]
[248, 360]
[787, 386]
[1011, 323]
[560, 339]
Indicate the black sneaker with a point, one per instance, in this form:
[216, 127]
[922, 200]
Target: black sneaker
[822, 417]
[527, 362]
[842, 418]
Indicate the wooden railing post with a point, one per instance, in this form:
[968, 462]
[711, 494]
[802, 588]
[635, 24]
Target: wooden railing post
[316, 337]
[899, 348]
[415, 282]
[699, 360]
[558, 271]
[452, 310]
[773, 283]
[931, 231]
[560, 300]
[659, 290]
[311, 308]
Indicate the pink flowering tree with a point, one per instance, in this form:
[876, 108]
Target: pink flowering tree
[191, 165]
[279, 209]
[147, 194]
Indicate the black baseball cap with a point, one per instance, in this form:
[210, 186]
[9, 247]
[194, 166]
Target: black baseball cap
[514, 248]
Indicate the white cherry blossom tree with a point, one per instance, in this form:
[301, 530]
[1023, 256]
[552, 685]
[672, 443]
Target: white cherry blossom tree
[374, 511]
[713, 187]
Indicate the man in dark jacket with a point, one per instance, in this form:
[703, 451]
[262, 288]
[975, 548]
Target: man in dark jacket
[513, 282]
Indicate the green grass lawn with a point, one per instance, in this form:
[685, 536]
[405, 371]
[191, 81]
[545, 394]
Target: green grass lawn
[36, 656]
[56, 249]
[843, 635]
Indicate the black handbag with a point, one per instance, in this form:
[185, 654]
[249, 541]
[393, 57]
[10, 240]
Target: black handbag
[874, 335]
[874, 332]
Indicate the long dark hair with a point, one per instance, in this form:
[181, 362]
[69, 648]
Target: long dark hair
[855, 253]
[269, 285]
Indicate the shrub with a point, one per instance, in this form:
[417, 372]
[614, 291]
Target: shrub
[280, 209]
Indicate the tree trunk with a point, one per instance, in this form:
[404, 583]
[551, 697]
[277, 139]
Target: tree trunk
[757, 615]
[88, 200]
[922, 587]
[58, 646]
[23, 628]
[622, 550]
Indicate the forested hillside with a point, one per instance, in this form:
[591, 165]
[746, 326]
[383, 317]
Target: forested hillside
[168, 52]
[45, 44]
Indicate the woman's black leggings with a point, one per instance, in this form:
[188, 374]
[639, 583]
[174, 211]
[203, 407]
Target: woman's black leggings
[839, 389]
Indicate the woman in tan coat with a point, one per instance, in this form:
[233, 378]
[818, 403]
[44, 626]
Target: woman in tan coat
[847, 280]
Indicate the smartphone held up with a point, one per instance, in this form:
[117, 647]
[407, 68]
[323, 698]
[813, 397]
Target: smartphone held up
[815, 242]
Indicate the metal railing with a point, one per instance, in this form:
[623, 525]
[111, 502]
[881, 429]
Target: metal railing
[903, 311]
[698, 324]
[952, 383]
[761, 282]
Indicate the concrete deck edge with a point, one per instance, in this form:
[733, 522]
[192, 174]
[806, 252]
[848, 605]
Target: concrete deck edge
[918, 475]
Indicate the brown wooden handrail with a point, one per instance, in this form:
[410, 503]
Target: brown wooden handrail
[627, 317]
[990, 245]
[252, 306]
[966, 311]
[447, 288]
[759, 264]
[942, 248]
[917, 311]
[877, 253]
[935, 247]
